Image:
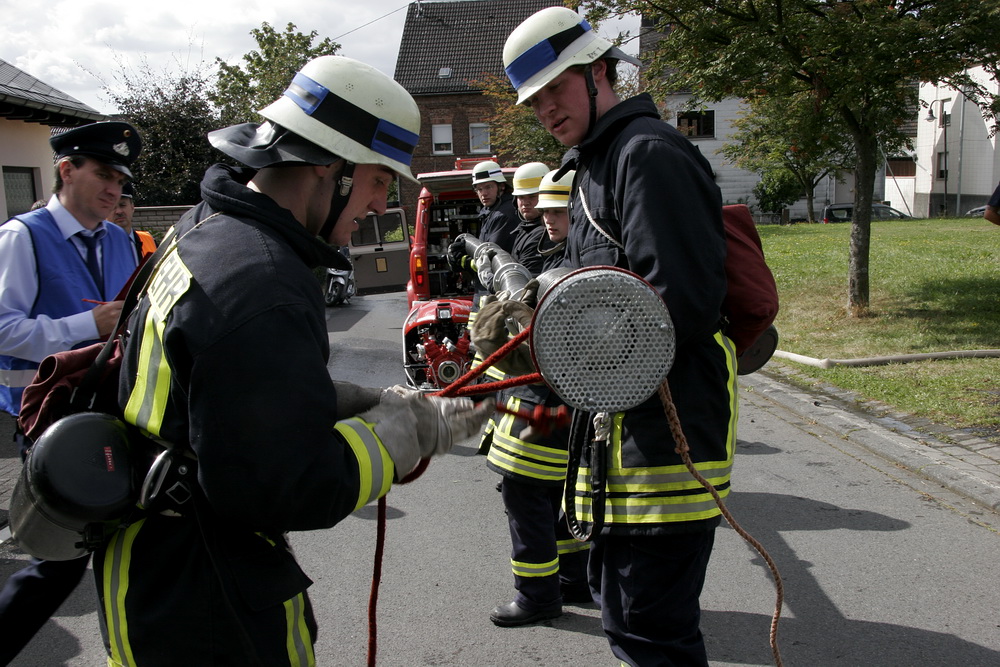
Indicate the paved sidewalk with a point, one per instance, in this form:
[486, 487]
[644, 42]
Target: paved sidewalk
[961, 461]
[957, 459]
[10, 467]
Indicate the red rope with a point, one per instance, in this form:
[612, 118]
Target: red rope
[456, 388]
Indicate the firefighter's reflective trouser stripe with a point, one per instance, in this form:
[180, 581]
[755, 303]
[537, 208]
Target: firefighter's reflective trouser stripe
[122, 554]
[545, 559]
[661, 494]
[527, 459]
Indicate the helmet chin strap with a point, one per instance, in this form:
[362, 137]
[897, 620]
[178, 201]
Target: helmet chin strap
[588, 75]
[340, 198]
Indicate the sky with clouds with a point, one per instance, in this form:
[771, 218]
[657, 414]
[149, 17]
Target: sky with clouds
[79, 46]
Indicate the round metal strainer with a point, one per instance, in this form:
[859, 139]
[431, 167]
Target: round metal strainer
[602, 339]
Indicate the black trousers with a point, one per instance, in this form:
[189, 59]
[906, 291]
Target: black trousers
[29, 598]
[31, 595]
[537, 528]
[649, 595]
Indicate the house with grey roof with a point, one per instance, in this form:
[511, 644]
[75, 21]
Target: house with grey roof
[29, 109]
[446, 47]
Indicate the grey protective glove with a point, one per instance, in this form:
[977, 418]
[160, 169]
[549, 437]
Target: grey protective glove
[413, 426]
[483, 262]
[494, 325]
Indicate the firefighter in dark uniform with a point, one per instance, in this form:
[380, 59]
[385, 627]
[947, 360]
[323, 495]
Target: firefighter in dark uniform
[644, 198]
[227, 363]
[529, 230]
[549, 565]
[498, 217]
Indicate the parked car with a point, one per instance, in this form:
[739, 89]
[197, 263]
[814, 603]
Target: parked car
[976, 212]
[845, 213]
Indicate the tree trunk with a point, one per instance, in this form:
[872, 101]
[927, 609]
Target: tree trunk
[864, 186]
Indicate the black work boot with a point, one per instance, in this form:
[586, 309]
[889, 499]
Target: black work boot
[513, 614]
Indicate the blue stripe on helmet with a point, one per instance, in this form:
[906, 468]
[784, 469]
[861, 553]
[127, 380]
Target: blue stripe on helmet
[402, 145]
[306, 93]
[542, 54]
[380, 135]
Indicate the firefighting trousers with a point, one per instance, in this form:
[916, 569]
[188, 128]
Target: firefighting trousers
[649, 588]
[165, 601]
[547, 562]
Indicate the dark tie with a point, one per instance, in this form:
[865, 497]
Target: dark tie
[92, 264]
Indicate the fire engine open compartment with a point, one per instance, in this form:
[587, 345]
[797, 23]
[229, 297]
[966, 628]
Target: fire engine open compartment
[436, 345]
[447, 221]
[446, 208]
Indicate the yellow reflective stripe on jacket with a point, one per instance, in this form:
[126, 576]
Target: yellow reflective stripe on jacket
[374, 465]
[571, 546]
[148, 401]
[522, 569]
[662, 494]
[297, 638]
[528, 459]
[115, 582]
[650, 509]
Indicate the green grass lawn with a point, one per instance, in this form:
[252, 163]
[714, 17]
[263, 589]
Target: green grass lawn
[934, 288]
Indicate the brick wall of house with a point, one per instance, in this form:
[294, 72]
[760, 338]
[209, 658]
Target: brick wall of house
[456, 110]
[157, 219]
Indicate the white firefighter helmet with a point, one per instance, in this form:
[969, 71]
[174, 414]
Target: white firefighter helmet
[353, 111]
[487, 171]
[527, 177]
[549, 42]
[554, 193]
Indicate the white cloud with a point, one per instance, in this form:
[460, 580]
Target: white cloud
[62, 42]
[78, 46]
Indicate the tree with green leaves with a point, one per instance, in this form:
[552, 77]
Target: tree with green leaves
[173, 116]
[514, 130]
[857, 58]
[791, 146]
[244, 89]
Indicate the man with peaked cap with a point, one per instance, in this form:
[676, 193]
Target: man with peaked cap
[643, 199]
[142, 242]
[227, 364]
[56, 263]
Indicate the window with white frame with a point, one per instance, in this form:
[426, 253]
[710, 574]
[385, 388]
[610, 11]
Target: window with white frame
[479, 138]
[441, 140]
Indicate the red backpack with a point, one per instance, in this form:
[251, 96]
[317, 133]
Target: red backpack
[751, 302]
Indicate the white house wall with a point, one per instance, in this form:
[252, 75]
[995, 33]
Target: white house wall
[973, 161]
[26, 145]
[972, 156]
[737, 184]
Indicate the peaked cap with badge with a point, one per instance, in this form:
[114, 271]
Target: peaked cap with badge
[112, 142]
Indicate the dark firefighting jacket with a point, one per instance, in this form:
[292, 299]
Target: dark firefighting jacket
[227, 358]
[644, 199]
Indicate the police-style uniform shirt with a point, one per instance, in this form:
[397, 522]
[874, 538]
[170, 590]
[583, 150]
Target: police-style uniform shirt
[20, 335]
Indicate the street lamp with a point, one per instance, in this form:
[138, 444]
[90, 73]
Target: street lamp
[945, 122]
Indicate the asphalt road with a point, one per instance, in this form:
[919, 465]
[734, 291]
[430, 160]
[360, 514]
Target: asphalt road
[880, 567]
